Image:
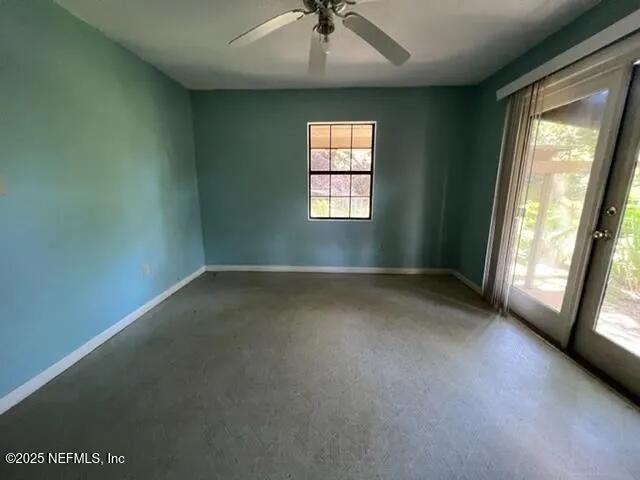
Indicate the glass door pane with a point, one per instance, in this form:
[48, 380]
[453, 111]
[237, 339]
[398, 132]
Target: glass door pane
[563, 151]
[619, 317]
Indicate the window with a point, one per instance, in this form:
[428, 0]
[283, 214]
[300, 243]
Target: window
[341, 170]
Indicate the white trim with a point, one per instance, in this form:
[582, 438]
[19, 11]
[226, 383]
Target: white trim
[322, 269]
[359, 270]
[472, 285]
[612, 33]
[16, 396]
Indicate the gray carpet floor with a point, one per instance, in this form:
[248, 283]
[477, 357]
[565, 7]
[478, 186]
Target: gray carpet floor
[310, 376]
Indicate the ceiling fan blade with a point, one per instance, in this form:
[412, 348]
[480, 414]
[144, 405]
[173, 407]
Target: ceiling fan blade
[317, 57]
[375, 37]
[267, 27]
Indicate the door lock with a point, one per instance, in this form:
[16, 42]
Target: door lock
[602, 235]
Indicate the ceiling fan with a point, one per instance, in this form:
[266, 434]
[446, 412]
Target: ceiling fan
[326, 10]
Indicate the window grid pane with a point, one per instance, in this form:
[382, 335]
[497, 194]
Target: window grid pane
[320, 185]
[320, 159]
[340, 158]
[359, 207]
[319, 207]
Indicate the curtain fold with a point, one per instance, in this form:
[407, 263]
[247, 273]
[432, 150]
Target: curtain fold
[521, 122]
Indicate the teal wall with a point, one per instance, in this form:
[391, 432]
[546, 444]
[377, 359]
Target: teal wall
[97, 159]
[252, 173]
[481, 168]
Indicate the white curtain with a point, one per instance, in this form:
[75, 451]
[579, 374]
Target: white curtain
[515, 165]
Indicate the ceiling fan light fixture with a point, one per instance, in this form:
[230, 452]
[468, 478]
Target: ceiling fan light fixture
[325, 43]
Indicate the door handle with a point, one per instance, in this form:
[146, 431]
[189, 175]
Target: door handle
[602, 234]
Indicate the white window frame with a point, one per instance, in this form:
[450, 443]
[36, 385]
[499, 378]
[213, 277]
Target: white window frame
[373, 169]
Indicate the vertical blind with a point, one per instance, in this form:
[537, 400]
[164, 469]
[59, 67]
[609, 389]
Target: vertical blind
[515, 166]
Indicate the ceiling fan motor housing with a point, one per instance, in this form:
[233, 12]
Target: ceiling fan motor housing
[325, 25]
[337, 6]
[325, 9]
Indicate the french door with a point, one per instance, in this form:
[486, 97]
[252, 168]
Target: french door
[573, 137]
[576, 265]
[607, 331]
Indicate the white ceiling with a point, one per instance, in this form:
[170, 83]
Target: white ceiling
[453, 42]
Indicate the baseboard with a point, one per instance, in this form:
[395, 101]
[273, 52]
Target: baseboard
[472, 285]
[364, 270]
[322, 269]
[16, 396]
